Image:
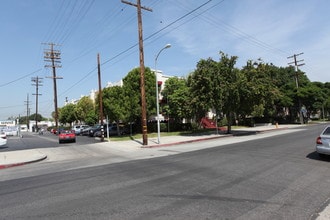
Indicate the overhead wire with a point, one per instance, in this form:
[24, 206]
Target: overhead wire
[157, 32]
[76, 20]
[20, 78]
[113, 31]
[52, 27]
[149, 39]
[134, 45]
[220, 24]
[57, 27]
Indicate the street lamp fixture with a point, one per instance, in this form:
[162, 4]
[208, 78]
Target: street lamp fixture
[157, 96]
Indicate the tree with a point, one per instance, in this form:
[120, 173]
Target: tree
[200, 87]
[230, 86]
[131, 84]
[115, 104]
[68, 114]
[91, 117]
[83, 111]
[176, 96]
[326, 104]
[38, 118]
[258, 92]
[313, 97]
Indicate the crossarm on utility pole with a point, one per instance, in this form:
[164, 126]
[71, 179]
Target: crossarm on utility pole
[135, 5]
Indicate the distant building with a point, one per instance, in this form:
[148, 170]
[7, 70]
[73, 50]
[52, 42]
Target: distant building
[160, 77]
[7, 123]
[119, 83]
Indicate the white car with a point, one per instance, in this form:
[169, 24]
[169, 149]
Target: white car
[3, 138]
[323, 142]
[11, 131]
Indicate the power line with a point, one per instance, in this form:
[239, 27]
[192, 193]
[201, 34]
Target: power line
[157, 32]
[136, 44]
[79, 18]
[23, 77]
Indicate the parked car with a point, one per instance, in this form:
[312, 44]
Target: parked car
[112, 131]
[323, 142]
[3, 138]
[66, 136]
[53, 130]
[79, 128]
[85, 131]
[11, 131]
[56, 131]
[94, 129]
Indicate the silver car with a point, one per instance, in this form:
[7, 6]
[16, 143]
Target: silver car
[323, 142]
[79, 128]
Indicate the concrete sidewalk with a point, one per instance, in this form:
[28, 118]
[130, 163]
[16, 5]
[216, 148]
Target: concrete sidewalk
[18, 158]
[22, 157]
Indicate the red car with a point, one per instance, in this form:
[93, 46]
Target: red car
[66, 136]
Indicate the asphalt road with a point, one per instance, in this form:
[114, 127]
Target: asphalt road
[279, 177]
[34, 140]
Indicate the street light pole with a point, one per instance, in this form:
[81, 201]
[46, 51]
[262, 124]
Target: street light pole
[157, 96]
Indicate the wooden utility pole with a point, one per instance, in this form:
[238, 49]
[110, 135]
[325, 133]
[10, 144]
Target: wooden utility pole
[142, 80]
[27, 111]
[54, 57]
[100, 97]
[296, 65]
[36, 80]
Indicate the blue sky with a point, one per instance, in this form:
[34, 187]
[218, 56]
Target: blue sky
[197, 29]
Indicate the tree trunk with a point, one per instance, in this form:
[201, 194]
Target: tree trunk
[229, 122]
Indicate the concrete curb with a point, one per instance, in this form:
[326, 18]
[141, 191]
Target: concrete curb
[186, 142]
[215, 137]
[3, 166]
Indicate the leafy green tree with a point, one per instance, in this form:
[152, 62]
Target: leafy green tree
[293, 87]
[131, 84]
[39, 117]
[91, 117]
[68, 114]
[115, 104]
[200, 87]
[176, 95]
[312, 96]
[83, 110]
[258, 92]
[287, 88]
[326, 104]
[230, 79]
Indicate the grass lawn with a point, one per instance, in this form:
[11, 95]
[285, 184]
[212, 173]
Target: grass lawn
[164, 134]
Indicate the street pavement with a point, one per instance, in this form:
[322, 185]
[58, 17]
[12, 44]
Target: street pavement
[134, 149]
[22, 157]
